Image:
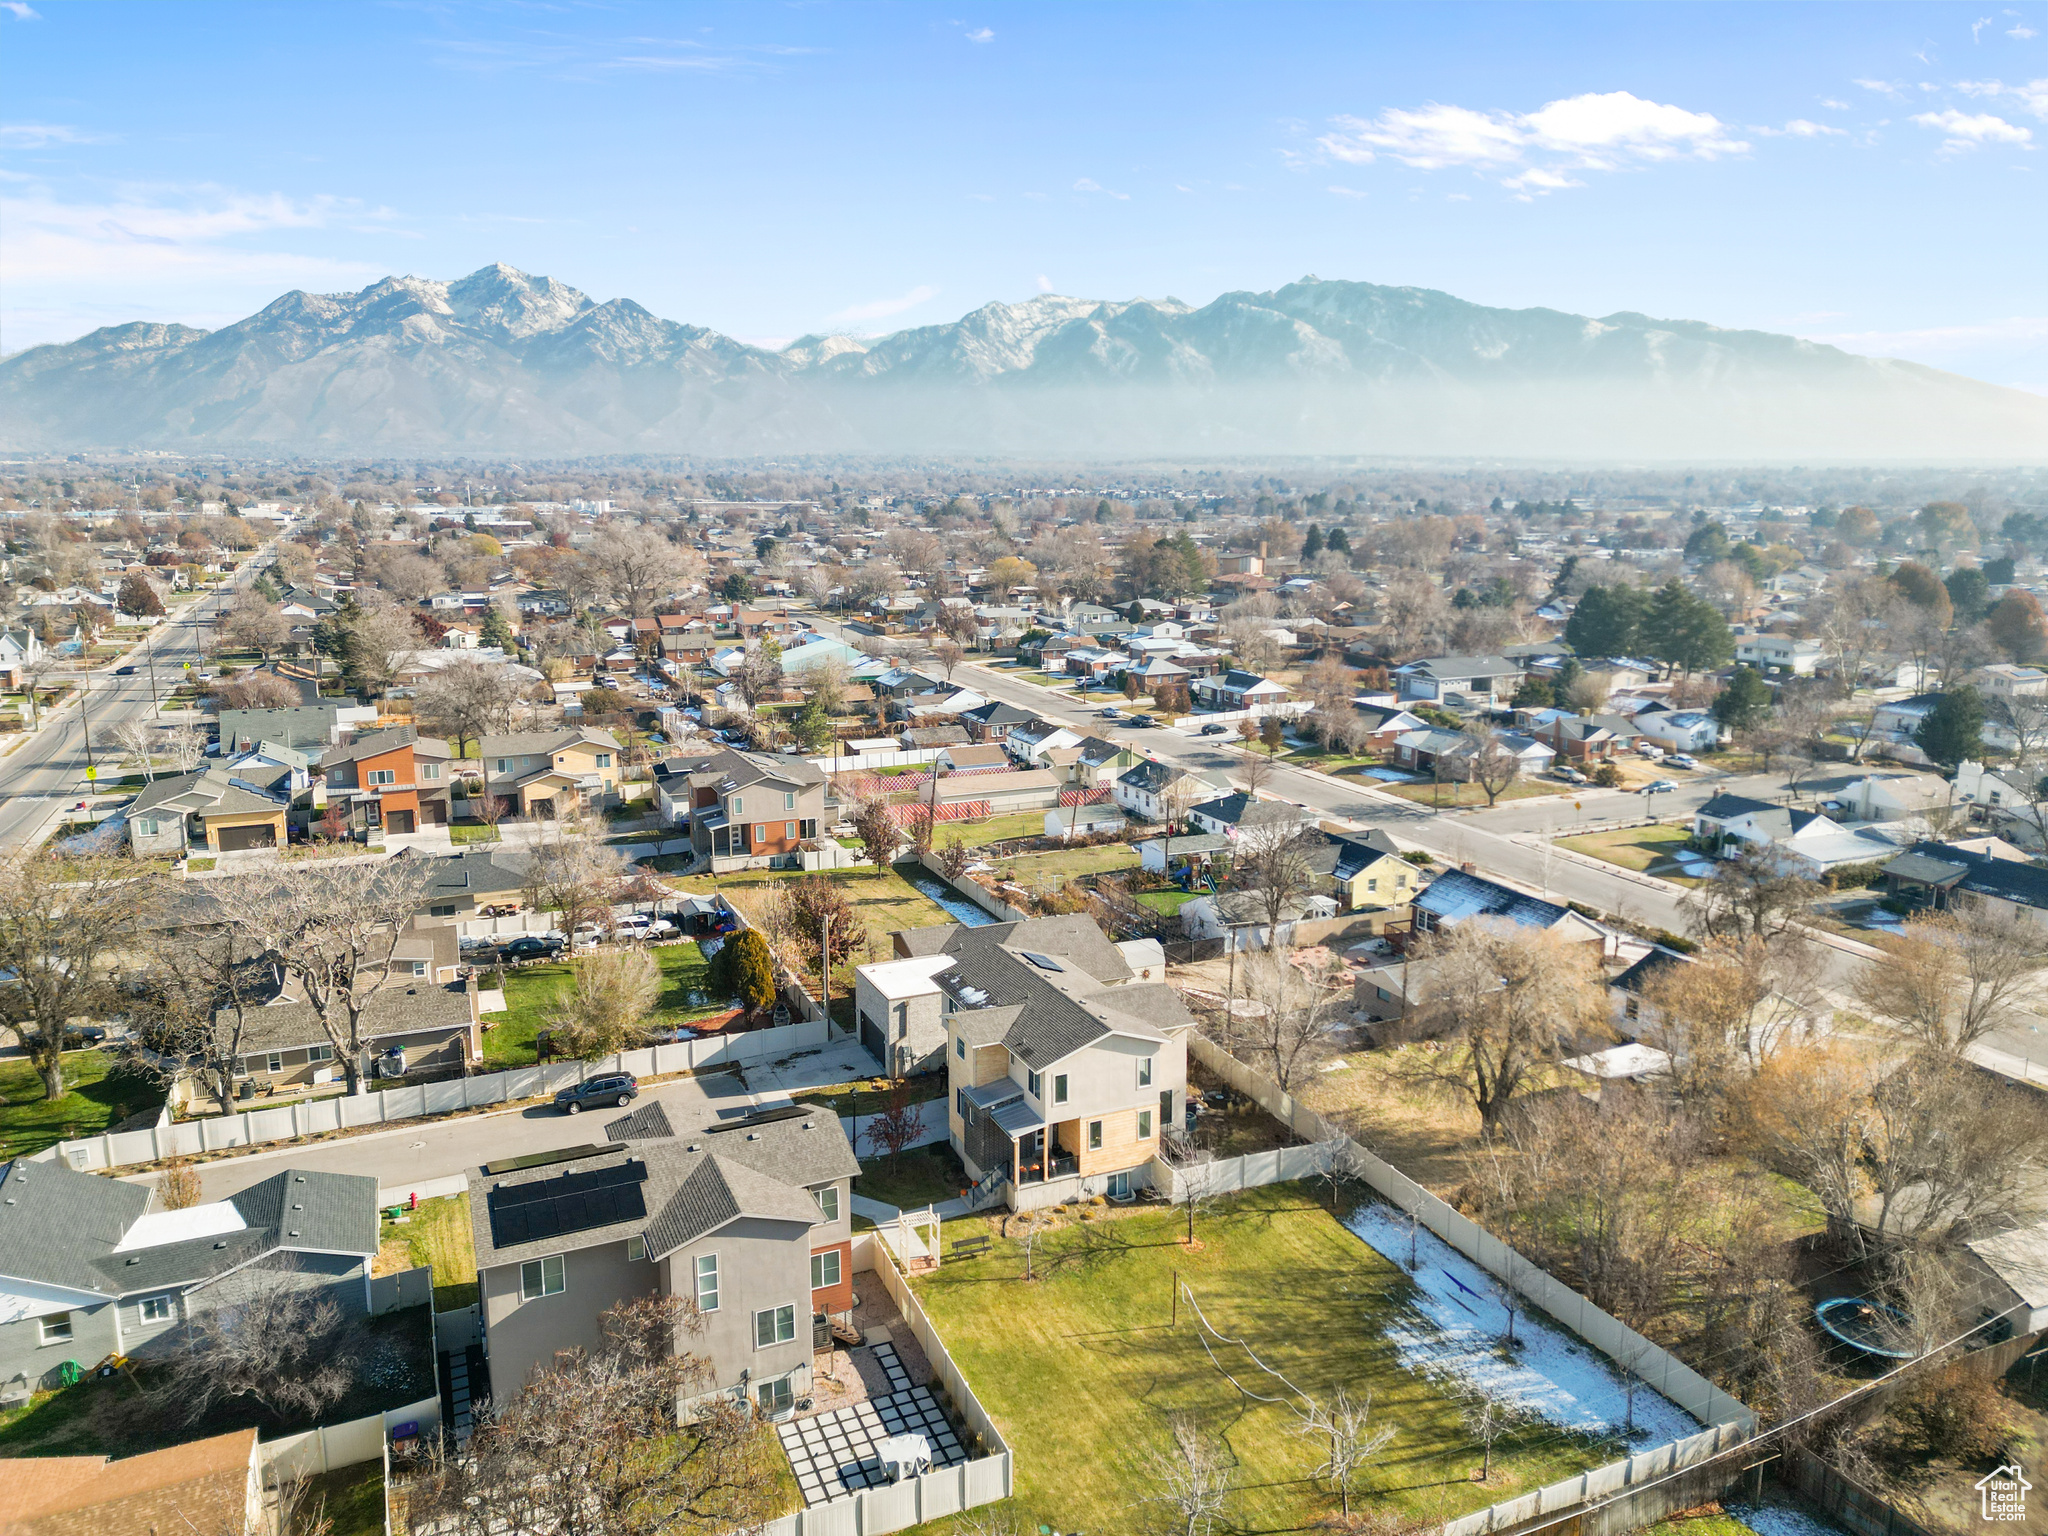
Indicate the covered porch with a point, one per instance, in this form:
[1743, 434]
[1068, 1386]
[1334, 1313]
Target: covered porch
[1005, 1133]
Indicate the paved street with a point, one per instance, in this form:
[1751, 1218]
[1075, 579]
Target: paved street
[46, 772]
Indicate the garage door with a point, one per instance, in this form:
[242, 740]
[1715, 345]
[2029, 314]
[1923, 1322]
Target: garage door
[398, 821]
[871, 1037]
[232, 838]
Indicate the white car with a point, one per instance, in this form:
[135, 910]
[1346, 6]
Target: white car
[1682, 760]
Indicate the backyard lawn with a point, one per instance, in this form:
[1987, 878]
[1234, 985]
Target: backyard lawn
[914, 1179]
[350, 1499]
[881, 898]
[437, 1234]
[99, 1095]
[997, 829]
[460, 832]
[1066, 863]
[1645, 849]
[509, 1038]
[1166, 903]
[1081, 1367]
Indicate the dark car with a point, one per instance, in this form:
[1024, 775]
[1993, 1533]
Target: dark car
[1215, 730]
[1142, 722]
[619, 1088]
[124, 671]
[534, 946]
[83, 1037]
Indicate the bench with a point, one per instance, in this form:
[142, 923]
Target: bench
[968, 1247]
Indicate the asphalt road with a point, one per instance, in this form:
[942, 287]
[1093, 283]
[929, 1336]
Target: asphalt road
[47, 771]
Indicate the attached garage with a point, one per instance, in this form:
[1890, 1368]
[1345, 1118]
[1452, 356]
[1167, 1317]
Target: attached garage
[398, 821]
[872, 1038]
[263, 835]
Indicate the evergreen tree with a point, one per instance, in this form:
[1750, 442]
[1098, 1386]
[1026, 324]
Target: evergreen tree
[1745, 701]
[1607, 622]
[751, 969]
[1953, 729]
[1709, 541]
[138, 598]
[1969, 593]
[1534, 693]
[1999, 572]
[1311, 543]
[1684, 631]
[737, 589]
[1340, 541]
[495, 630]
[813, 727]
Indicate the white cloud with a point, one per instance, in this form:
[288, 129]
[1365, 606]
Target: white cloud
[1090, 184]
[981, 35]
[1457, 197]
[2020, 30]
[881, 309]
[1882, 88]
[1609, 131]
[2030, 96]
[1973, 130]
[1833, 105]
[1044, 283]
[1801, 128]
[36, 135]
[1977, 27]
[1346, 192]
[19, 11]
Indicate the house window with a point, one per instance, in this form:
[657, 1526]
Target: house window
[274, 1062]
[761, 834]
[775, 1397]
[442, 909]
[636, 1247]
[707, 1282]
[383, 776]
[1144, 1071]
[319, 1053]
[825, 1269]
[1094, 1135]
[828, 1201]
[604, 759]
[146, 825]
[774, 1325]
[1144, 1125]
[430, 771]
[1059, 1089]
[502, 765]
[960, 1046]
[541, 1277]
[1633, 1008]
[157, 1309]
[788, 801]
[1373, 884]
[419, 967]
[966, 1107]
[1033, 1084]
[57, 1328]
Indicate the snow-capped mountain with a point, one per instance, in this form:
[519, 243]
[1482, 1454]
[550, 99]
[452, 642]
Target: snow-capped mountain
[501, 362]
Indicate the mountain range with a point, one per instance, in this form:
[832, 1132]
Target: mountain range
[503, 363]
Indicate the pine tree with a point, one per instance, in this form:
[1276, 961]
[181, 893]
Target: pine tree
[1954, 728]
[1311, 543]
[1745, 701]
[495, 630]
[1607, 622]
[1339, 540]
[748, 969]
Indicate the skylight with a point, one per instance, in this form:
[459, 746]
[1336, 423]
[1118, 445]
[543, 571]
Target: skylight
[1043, 962]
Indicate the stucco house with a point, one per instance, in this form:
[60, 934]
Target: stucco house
[748, 1220]
[91, 1267]
[396, 779]
[212, 808]
[548, 773]
[1483, 680]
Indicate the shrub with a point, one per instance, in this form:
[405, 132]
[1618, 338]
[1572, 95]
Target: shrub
[1955, 1414]
[1607, 776]
[1417, 856]
[1670, 940]
[1854, 877]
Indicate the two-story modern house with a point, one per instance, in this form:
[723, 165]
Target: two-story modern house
[748, 1220]
[212, 808]
[92, 1267]
[547, 773]
[1064, 1065]
[754, 806]
[396, 779]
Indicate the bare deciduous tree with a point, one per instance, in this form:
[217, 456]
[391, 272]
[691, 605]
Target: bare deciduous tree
[1951, 1151]
[1752, 894]
[1487, 1420]
[186, 746]
[877, 831]
[333, 928]
[1493, 766]
[253, 624]
[1738, 1001]
[1803, 1114]
[1195, 1476]
[1349, 1440]
[61, 921]
[1951, 978]
[638, 567]
[192, 1003]
[1276, 865]
[256, 690]
[1503, 1001]
[600, 1012]
[629, 1439]
[1288, 1032]
[287, 1344]
[948, 654]
[468, 699]
[577, 877]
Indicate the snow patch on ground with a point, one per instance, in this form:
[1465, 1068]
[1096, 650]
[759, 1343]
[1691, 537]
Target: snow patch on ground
[1782, 1520]
[1455, 1325]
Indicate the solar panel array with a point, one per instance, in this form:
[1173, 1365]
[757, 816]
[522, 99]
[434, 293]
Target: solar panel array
[574, 1202]
[1043, 962]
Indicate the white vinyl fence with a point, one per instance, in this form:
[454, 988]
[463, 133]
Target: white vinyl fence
[312, 1116]
[1654, 1367]
[343, 1445]
[1227, 1175]
[943, 1491]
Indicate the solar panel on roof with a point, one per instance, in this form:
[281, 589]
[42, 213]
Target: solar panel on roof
[574, 1202]
[764, 1117]
[543, 1159]
[1043, 962]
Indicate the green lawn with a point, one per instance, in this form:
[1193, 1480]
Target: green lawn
[350, 1499]
[1637, 848]
[914, 1179]
[1081, 1366]
[438, 1234]
[1070, 862]
[460, 832]
[882, 900]
[1448, 794]
[99, 1094]
[509, 1040]
[1167, 903]
[870, 1095]
[997, 829]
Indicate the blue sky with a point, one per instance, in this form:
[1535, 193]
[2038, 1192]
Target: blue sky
[1871, 175]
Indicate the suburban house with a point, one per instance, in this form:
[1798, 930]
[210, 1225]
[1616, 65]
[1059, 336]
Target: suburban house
[1459, 895]
[429, 1023]
[549, 773]
[1389, 723]
[747, 1220]
[18, 648]
[1026, 743]
[212, 808]
[1583, 738]
[995, 720]
[1943, 875]
[471, 879]
[1241, 919]
[1363, 870]
[1236, 691]
[1098, 762]
[305, 727]
[396, 779]
[1482, 680]
[1780, 653]
[1774, 1019]
[756, 806]
[92, 1267]
[1154, 791]
[1678, 730]
[1068, 822]
[899, 1010]
[1896, 797]
[213, 1485]
[2003, 680]
[1451, 754]
[1065, 1067]
[1237, 815]
[1807, 842]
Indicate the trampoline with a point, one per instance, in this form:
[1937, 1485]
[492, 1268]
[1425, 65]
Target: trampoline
[1860, 1324]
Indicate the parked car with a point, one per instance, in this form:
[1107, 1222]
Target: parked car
[1682, 760]
[535, 946]
[1143, 722]
[1660, 786]
[1569, 775]
[620, 1088]
[1112, 713]
[1212, 729]
[83, 1037]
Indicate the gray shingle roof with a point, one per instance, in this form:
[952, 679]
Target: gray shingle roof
[523, 743]
[393, 1009]
[370, 743]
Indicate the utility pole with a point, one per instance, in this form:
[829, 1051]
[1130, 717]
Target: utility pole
[92, 769]
[825, 970]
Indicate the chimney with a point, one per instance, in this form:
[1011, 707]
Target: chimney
[1262, 550]
[1469, 867]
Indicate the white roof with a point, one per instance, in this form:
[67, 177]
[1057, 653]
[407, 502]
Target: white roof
[906, 978]
[160, 1227]
[1632, 1060]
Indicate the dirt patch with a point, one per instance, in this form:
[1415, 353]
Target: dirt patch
[1423, 1133]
